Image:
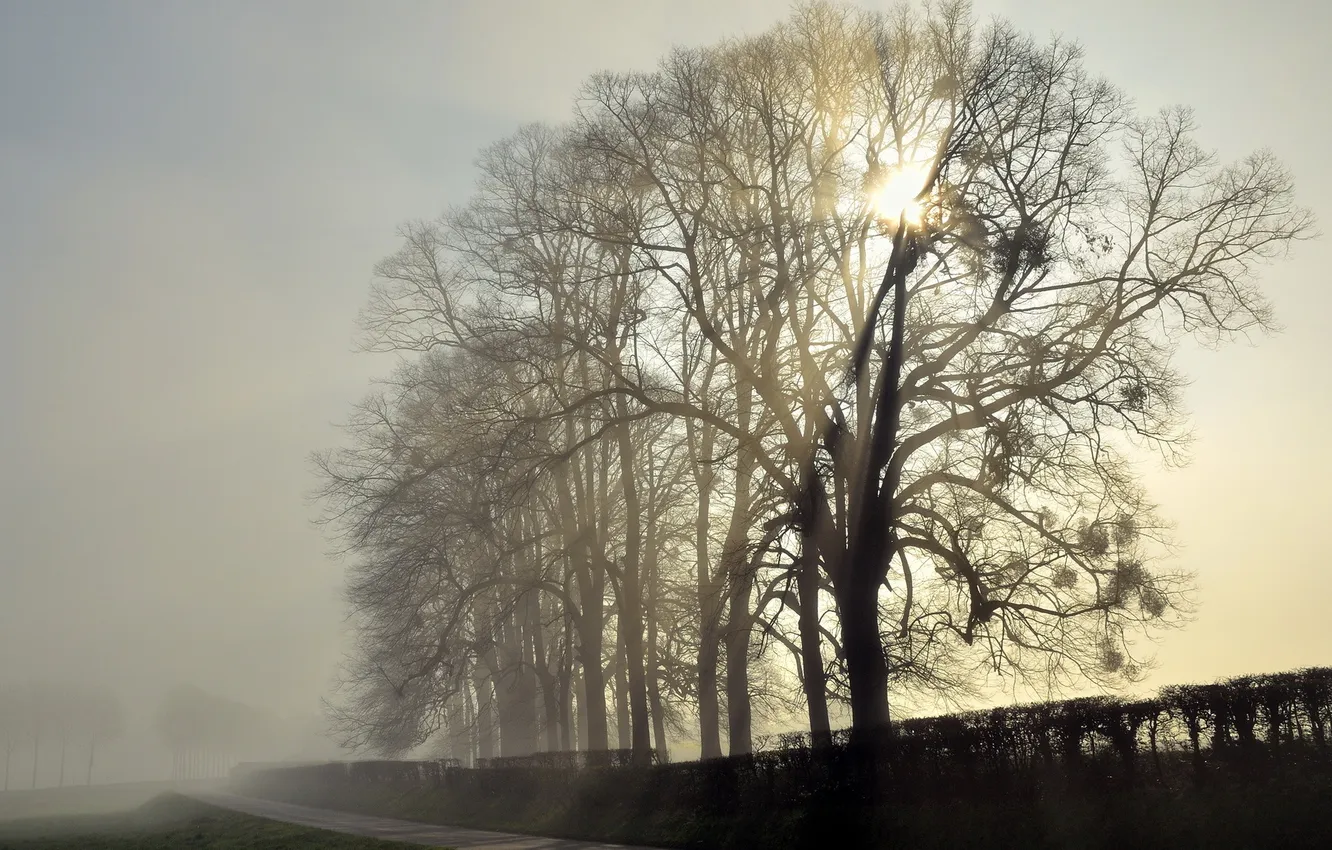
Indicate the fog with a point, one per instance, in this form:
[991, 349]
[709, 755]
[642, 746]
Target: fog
[192, 198]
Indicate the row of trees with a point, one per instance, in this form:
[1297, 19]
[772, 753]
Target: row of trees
[46, 715]
[54, 722]
[806, 368]
[208, 734]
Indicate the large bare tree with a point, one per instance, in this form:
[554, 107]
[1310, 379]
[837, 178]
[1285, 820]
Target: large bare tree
[846, 338]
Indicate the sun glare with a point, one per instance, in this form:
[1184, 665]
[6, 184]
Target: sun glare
[898, 194]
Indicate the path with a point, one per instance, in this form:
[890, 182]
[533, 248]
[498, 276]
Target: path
[414, 832]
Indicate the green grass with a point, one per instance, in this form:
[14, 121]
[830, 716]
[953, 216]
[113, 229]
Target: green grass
[173, 821]
[90, 799]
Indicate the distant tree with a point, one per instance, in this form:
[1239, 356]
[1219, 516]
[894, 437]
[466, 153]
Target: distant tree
[64, 707]
[15, 721]
[207, 733]
[38, 707]
[101, 720]
[75, 712]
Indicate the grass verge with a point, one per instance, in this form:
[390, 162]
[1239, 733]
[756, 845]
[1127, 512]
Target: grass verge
[91, 799]
[173, 821]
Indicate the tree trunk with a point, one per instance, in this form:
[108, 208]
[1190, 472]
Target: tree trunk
[514, 697]
[866, 668]
[92, 750]
[592, 700]
[469, 723]
[550, 696]
[590, 621]
[456, 727]
[485, 717]
[64, 747]
[631, 592]
[551, 703]
[739, 715]
[566, 688]
[811, 653]
[709, 699]
[864, 565]
[580, 710]
[654, 693]
[740, 585]
[36, 740]
[621, 684]
[658, 721]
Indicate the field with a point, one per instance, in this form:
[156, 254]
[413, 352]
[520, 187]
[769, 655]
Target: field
[90, 799]
[169, 821]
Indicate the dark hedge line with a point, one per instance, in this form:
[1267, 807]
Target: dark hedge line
[1234, 744]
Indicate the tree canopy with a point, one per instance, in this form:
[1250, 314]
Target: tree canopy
[823, 356]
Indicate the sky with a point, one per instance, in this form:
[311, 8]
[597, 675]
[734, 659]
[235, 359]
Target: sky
[193, 196]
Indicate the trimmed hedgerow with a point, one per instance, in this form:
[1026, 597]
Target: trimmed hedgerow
[1188, 765]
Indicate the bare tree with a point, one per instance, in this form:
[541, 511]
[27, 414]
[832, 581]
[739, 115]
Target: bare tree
[101, 720]
[207, 733]
[843, 339]
[974, 409]
[15, 718]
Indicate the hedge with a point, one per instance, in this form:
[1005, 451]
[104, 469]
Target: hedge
[1016, 758]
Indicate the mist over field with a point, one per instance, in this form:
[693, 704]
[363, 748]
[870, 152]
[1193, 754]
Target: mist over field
[195, 201]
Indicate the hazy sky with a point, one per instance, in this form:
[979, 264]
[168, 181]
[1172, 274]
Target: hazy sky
[192, 196]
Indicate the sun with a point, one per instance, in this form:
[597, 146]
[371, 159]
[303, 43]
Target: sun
[898, 194]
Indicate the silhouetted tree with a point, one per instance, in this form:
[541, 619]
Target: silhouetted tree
[15, 721]
[840, 339]
[207, 733]
[101, 719]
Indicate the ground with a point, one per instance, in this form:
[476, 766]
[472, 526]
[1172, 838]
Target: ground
[173, 821]
[92, 799]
